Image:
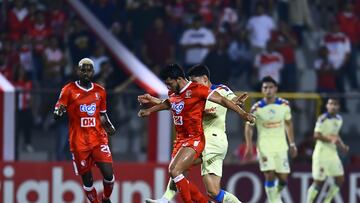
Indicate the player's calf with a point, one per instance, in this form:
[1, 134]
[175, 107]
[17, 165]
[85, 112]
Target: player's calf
[91, 194]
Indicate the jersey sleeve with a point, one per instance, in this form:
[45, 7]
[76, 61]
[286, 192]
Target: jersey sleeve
[319, 125]
[254, 108]
[287, 112]
[103, 102]
[204, 92]
[64, 97]
[226, 92]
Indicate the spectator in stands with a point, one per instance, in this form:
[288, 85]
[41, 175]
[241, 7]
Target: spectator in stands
[80, 42]
[39, 33]
[285, 42]
[350, 25]
[57, 19]
[338, 45]
[158, 47]
[11, 60]
[240, 55]
[105, 72]
[24, 115]
[54, 63]
[259, 28]
[104, 10]
[269, 63]
[5, 69]
[18, 21]
[219, 62]
[300, 18]
[125, 33]
[26, 56]
[196, 42]
[98, 57]
[326, 73]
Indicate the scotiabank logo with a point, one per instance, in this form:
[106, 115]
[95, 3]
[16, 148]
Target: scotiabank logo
[88, 122]
[89, 109]
[55, 185]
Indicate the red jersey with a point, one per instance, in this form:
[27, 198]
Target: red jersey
[83, 107]
[187, 110]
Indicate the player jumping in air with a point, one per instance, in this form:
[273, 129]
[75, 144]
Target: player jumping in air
[85, 104]
[187, 102]
[325, 160]
[273, 118]
[216, 144]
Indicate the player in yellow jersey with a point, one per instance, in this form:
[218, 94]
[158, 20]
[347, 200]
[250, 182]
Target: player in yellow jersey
[325, 160]
[216, 140]
[273, 123]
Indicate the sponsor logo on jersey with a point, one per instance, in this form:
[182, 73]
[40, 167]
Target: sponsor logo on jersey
[188, 94]
[177, 107]
[89, 109]
[86, 122]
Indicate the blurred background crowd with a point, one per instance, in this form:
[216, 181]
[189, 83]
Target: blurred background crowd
[307, 46]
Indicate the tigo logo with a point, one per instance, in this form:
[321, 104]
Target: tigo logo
[89, 109]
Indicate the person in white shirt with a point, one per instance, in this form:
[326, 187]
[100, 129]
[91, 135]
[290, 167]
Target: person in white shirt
[196, 42]
[259, 28]
[269, 63]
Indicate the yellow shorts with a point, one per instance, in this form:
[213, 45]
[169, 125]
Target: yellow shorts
[322, 168]
[213, 155]
[274, 161]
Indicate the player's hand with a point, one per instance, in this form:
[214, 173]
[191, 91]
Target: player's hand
[344, 148]
[293, 151]
[334, 139]
[241, 99]
[248, 154]
[250, 118]
[59, 111]
[143, 113]
[147, 99]
[110, 129]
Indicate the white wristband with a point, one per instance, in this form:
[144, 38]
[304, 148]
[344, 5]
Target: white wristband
[292, 144]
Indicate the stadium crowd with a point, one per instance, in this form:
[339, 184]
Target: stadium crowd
[239, 40]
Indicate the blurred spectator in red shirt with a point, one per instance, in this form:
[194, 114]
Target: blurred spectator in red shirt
[325, 71]
[158, 48]
[350, 25]
[24, 115]
[5, 69]
[18, 20]
[58, 19]
[285, 43]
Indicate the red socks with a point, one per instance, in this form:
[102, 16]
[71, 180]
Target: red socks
[182, 185]
[91, 194]
[108, 187]
[196, 195]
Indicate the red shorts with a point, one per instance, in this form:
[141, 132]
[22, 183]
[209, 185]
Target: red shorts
[83, 161]
[198, 144]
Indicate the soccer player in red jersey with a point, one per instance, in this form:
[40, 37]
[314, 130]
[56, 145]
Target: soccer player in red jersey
[187, 102]
[85, 104]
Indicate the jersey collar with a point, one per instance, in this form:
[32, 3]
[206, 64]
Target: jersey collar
[77, 83]
[186, 86]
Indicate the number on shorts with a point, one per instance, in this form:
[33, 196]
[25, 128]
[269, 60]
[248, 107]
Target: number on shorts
[105, 148]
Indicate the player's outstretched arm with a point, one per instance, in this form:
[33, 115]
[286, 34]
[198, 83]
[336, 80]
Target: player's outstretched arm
[165, 105]
[217, 98]
[148, 99]
[289, 127]
[106, 123]
[59, 111]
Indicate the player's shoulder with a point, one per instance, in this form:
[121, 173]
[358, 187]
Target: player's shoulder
[97, 86]
[281, 101]
[322, 117]
[220, 87]
[258, 105]
[69, 86]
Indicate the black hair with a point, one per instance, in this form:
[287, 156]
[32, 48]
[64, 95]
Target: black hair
[199, 70]
[269, 79]
[172, 71]
[336, 99]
